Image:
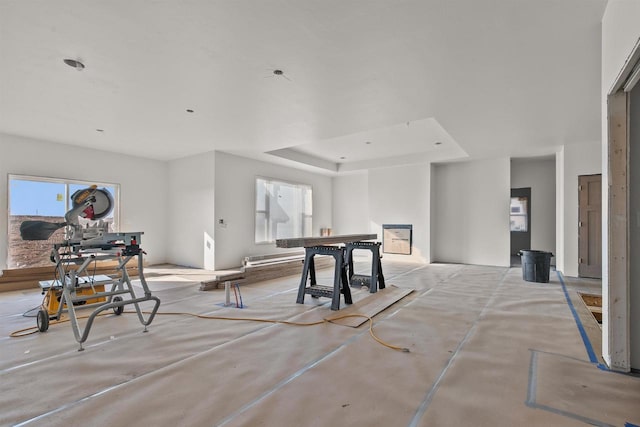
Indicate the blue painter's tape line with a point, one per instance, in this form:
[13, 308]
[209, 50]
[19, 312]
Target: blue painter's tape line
[585, 339]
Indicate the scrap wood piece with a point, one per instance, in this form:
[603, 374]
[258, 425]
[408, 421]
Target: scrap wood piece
[235, 276]
[370, 306]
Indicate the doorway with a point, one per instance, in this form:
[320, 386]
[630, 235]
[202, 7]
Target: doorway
[590, 226]
[621, 336]
[520, 220]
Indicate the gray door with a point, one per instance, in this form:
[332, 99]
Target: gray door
[520, 215]
[590, 226]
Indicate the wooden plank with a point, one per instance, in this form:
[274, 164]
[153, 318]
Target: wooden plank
[29, 278]
[274, 260]
[217, 284]
[370, 306]
[236, 276]
[47, 271]
[595, 308]
[617, 321]
[255, 259]
[260, 273]
[319, 241]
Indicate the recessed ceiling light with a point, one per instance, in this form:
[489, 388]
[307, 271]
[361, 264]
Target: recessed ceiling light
[342, 158]
[189, 110]
[438, 143]
[99, 130]
[368, 142]
[280, 73]
[74, 63]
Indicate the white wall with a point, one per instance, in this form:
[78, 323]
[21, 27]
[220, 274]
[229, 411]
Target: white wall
[620, 32]
[191, 219]
[143, 200]
[579, 159]
[363, 202]
[401, 195]
[235, 204]
[351, 204]
[540, 175]
[470, 222]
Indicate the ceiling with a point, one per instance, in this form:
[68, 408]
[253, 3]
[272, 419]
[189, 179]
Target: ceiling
[363, 83]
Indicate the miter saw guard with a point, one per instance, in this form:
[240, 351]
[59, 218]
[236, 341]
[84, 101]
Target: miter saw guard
[73, 286]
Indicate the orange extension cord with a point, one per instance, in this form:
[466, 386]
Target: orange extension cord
[34, 329]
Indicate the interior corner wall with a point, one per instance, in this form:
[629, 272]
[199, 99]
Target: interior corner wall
[560, 210]
[191, 223]
[471, 212]
[142, 201]
[402, 195]
[540, 176]
[235, 204]
[579, 159]
[350, 203]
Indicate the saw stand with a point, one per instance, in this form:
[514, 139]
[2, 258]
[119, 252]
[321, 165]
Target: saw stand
[75, 288]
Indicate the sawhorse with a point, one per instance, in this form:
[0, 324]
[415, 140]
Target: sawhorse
[340, 281]
[376, 280]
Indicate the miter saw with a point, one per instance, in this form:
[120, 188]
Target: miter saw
[91, 203]
[74, 286]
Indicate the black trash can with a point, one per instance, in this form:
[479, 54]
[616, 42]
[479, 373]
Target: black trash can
[535, 265]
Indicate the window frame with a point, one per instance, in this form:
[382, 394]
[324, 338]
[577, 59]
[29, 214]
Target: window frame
[255, 204]
[67, 183]
[524, 215]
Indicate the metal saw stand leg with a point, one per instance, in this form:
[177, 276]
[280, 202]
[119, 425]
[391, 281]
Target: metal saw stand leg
[340, 284]
[120, 286]
[376, 280]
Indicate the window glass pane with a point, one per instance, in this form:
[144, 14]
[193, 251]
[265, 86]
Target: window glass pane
[261, 227]
[45, 200]
[36, 198]
[519, 214]
[260, 194]
[283, 210]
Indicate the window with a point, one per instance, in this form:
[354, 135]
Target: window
[44, 199]
[519, 214]
[283, 210]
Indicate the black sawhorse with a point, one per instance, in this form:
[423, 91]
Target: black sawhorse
[340, 282]
[376, 280]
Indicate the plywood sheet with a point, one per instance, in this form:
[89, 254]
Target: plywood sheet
[369, 306]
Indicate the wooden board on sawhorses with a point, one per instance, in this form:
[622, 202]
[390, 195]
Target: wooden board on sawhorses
[305, 242]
